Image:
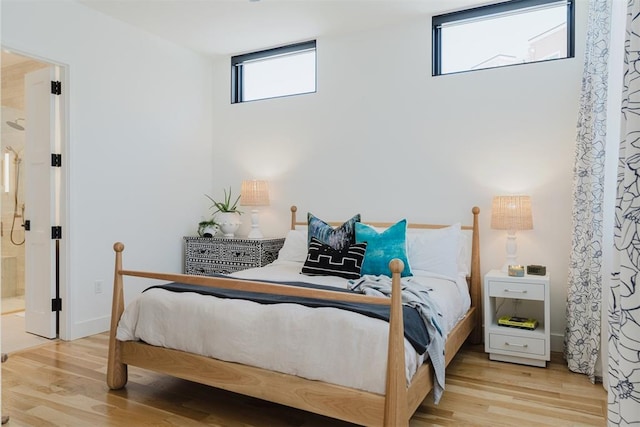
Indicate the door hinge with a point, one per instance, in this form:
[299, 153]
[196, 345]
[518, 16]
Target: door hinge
[56, 304]
[56, 87]
[56, 232]
[56, 160]
[27, 225]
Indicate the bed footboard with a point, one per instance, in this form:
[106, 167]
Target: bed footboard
[390, 409]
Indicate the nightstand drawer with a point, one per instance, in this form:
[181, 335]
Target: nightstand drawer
[516, 290]
[517, 344]
[239, 251]
[204, 268]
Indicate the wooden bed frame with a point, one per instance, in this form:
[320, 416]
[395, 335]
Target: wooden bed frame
[392, 409]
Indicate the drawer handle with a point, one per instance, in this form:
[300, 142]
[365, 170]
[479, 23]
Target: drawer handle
[518, 291]
[516, 345]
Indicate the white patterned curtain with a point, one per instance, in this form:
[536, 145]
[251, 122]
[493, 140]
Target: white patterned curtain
[582, 335]
[624, 296]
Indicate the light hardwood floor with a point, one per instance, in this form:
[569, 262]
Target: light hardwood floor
[63, 384]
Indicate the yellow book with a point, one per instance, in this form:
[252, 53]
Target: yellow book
[518, 322]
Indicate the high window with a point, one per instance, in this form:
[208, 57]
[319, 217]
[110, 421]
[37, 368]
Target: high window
[281, 71]
[508, 33]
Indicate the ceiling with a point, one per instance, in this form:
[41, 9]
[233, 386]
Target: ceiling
[224, 27]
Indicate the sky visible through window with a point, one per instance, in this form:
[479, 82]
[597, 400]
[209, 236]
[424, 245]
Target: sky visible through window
[467, 44]
[280, 76]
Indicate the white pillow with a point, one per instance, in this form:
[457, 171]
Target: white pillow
[294, 247]
[439, 251]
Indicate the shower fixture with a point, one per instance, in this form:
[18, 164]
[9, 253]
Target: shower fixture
[18, 209]
[15, 125]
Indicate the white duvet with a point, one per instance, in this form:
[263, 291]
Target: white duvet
[328, 344]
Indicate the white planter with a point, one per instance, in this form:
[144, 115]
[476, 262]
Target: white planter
[229, 222]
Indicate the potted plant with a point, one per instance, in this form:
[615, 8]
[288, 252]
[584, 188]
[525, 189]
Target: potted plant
[227, 214]
[208, 228]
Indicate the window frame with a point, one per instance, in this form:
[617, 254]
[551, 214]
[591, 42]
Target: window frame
[237, 72]
[486, 11]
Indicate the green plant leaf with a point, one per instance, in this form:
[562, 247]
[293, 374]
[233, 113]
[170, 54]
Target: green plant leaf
[225, 205]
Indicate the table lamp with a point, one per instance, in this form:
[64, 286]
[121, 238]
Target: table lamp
[511, 213]
[254, 193]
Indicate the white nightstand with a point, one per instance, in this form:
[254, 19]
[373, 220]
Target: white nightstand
[526, 296]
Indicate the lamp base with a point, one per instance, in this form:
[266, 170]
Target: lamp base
[255, 232]
[512, 249]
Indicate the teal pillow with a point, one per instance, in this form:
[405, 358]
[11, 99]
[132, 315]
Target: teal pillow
[383, 247]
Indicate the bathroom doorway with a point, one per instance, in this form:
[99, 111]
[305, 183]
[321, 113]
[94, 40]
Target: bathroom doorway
[28, 137]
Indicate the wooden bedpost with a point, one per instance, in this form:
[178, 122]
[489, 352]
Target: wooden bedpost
[395, 403]
[294, 209]
[116, 370]
[476, 280]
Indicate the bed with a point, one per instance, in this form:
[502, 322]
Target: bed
[386, 393]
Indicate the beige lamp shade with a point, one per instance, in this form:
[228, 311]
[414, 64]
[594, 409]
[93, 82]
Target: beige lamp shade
[511, 213]
[254, 193]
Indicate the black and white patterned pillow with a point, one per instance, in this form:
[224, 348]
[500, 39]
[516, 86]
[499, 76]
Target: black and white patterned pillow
[323, 260]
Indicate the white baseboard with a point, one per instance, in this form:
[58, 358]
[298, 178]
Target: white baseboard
[87, 328]
[557, 342]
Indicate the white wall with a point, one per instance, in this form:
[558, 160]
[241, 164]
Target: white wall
[139, 145]
[384, 138]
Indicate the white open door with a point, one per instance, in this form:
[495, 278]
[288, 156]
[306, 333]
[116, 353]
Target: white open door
[39, 191]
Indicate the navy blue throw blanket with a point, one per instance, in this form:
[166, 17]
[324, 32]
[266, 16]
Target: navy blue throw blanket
[414, 329]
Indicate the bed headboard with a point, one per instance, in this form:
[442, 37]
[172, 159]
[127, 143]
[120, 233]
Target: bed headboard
[295, 222]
